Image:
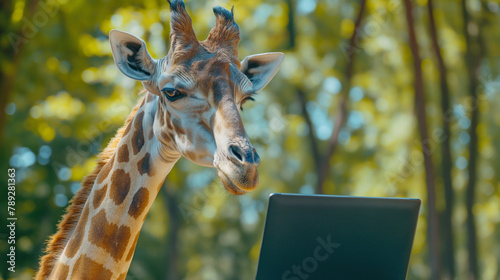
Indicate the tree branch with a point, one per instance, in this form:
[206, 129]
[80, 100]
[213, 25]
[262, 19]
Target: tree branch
[342, 112]
[301, 94]
[307, 118]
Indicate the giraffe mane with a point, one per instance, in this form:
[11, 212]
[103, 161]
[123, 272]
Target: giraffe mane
[57, 242]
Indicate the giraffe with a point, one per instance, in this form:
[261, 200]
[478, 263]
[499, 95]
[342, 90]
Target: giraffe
[190, 108]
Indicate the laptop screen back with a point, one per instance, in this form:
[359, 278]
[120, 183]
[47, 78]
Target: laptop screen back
[337, 237]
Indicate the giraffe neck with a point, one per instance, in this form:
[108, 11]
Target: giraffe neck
[103, 242]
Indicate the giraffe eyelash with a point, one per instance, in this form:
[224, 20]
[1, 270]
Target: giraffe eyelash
[245, 100]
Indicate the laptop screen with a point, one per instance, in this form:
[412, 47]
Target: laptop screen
[337, 237]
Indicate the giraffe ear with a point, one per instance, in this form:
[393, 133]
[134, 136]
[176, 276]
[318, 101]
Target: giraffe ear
[261, 68]
[131, 55]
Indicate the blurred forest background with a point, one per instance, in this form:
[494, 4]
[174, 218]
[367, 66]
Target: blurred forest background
[375, 98]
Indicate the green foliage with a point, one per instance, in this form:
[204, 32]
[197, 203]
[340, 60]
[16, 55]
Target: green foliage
[67, 99]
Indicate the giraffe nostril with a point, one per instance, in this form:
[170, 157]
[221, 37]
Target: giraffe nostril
[236, 152]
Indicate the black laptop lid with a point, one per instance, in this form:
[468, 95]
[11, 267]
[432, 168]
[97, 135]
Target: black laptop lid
[318, 237]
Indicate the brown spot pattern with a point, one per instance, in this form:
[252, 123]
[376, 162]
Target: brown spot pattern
[205, 126]
[144, 165]
[161, 115]
[127, 129]
[122, 276]
[177, 126]
[99, 196]
[166, 137]
[123, 153]
[172, 136]
[109, 236]
[87, 269]
[162, 120]
[61, 271]
[169, 124]
[151, 134]
[150, 97]
[191, 155]
[132, 248]
[103, 174]
[139, 203]
[138, 137]
[120, 186]
[76, 239]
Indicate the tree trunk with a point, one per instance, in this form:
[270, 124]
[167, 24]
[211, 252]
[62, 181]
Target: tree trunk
[291, 24]
[433, 224]
[470, 190]
[446, 160]
[474, 49]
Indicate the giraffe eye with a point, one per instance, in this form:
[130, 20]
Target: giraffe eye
[172, 94]
[245, 101]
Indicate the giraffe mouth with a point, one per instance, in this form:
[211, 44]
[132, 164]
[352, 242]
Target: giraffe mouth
[229, 185]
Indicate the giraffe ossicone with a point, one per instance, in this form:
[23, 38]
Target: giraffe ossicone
[191, 108]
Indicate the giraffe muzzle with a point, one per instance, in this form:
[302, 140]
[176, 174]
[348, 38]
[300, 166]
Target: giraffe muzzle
[237, 168]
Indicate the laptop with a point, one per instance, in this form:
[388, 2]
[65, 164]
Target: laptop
[323, 237]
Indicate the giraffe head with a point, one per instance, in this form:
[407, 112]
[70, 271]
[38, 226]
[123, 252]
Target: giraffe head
[201, 88]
